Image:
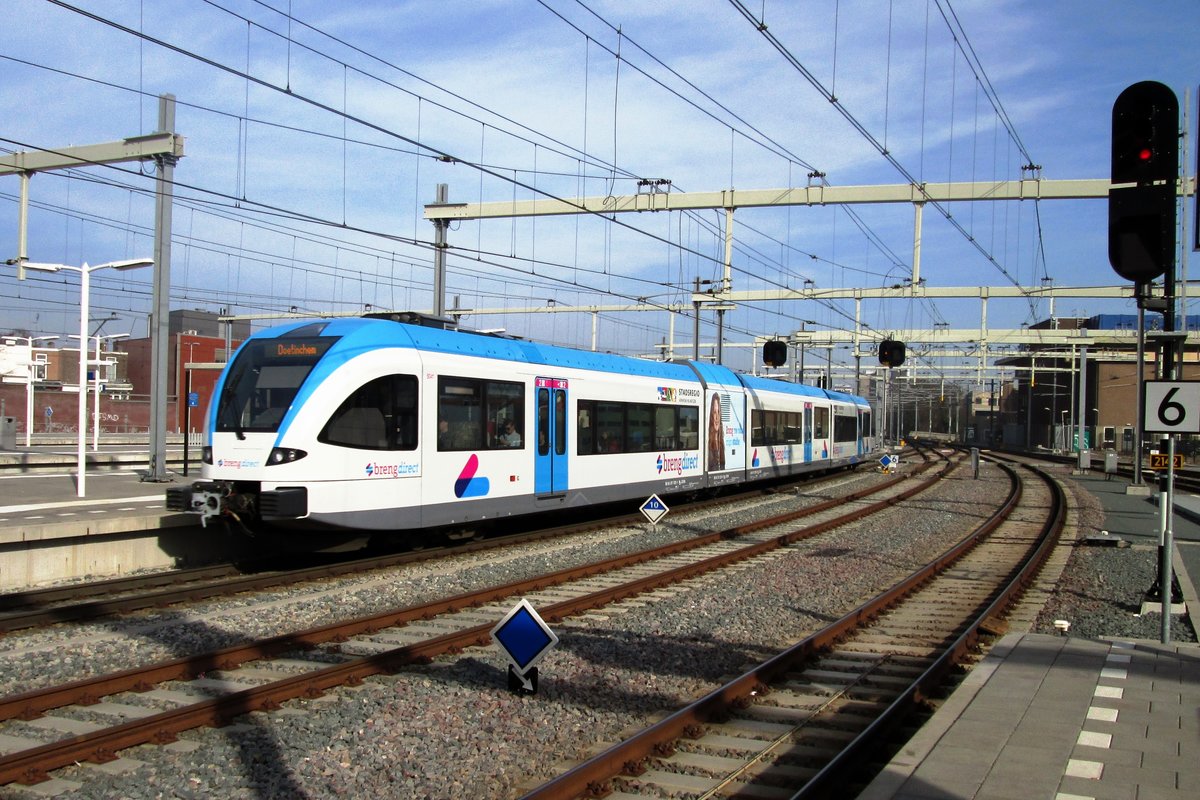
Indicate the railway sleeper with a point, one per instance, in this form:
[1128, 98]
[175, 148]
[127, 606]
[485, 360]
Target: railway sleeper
[752, 729]
[814, 729]
[767, 772]
[910, 651]
[671, 783]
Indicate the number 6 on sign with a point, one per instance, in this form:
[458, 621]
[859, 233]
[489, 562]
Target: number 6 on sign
[1171, 407]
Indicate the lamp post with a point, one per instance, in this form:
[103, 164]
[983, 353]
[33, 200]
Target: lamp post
[96, 386]
[85, 273]
[29, 340]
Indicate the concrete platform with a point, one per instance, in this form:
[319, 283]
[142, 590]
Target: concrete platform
[1065, 718]
[1055, 717]
[49, 534]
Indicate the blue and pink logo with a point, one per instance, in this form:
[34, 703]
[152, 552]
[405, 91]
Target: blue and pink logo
[468, 485]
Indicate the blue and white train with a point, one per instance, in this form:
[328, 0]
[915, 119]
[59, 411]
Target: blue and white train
[361, 426]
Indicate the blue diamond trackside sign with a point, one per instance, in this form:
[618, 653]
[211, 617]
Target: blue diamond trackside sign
[524, 637]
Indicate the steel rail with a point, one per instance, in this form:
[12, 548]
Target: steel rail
[30, 705]
[37, 598]
[13, 620]
[934, 676]
[33, 765]
[591, 777]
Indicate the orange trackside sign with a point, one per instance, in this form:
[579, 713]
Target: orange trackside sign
[1163, 461]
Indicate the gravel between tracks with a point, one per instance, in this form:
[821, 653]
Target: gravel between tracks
[1100, 591]
[450, 729]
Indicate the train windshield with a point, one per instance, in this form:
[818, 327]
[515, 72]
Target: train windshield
[264, 379]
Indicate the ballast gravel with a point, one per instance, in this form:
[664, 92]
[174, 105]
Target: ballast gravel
[451, 729]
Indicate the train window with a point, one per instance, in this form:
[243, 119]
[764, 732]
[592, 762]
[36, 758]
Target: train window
[666, 428]
[505, 414]
[640, 428]
[791, 428]
[845, 427]
[263, 381]
[610, 427]
[820, 422]
[379, 415]
[543, 412]
[475, 414]
[689, 428]
[773, 428]
[460, 414]
[776, 420]
[585, 434]
[635, 427]
[560, 422]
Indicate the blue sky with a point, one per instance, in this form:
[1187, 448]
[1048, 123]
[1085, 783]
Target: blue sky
[303, 184]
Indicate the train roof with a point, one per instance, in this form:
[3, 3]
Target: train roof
[787, 387]
[362, 334]
[833, 394]
[756, 383]
[359, 334]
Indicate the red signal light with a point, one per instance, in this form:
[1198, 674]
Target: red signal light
[1145, 154]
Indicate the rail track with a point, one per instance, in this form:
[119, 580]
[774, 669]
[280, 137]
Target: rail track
[1187, 479]
[95, 599]
[793, 726]
[217, 687]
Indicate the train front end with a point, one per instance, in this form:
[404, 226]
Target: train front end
[246, 460]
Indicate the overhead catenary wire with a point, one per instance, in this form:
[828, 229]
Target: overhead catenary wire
[870, 138]
[756, 257]
[243, 118]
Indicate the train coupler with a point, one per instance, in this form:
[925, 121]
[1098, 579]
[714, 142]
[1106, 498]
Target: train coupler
[206, 498]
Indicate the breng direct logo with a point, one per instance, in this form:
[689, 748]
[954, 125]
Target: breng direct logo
[677, 464]
[234, 463]
[377, 470]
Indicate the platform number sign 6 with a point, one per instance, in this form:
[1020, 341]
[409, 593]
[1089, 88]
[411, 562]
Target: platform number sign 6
[1171, 407]
[1170, 412]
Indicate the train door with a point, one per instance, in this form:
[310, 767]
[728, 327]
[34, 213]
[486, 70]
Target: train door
[808, 432]
[550, 459]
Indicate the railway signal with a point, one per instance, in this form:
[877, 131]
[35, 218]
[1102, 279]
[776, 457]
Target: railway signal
[891, 353]
[1145, 168]
[775, 353]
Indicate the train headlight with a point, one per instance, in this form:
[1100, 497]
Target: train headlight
[284, 455]
[206, 455]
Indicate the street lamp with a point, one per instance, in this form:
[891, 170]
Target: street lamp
[29, 340]
[85, 273]
[96, 385]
